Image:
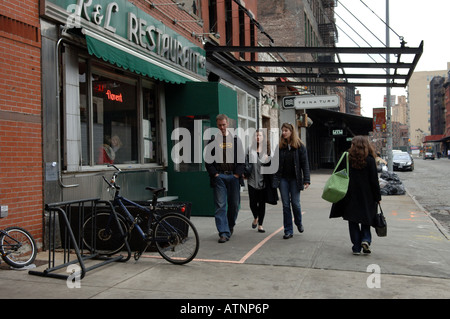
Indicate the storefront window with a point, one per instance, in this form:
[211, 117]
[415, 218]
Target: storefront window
[84, 111]
[114, 127]
[188, 156]
[246, 114]
[149, 125]
[114, 109]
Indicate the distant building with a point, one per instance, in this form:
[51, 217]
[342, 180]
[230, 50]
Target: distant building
[446, 140]
[400, 110]
[419, 103]
[447, 105]
[437, 107]
[400, 130]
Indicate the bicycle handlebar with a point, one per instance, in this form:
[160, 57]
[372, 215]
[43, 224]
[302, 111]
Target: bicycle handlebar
[109, 165]
[109, 184]
[112, 184]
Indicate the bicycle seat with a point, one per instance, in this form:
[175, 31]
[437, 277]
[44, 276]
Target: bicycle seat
[155, 190]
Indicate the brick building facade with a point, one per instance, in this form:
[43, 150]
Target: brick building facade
[57, 63]
[21, 169]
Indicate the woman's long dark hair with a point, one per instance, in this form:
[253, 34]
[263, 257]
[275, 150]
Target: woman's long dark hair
[359, 151]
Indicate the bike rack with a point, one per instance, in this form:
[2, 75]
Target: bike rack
[71, 217]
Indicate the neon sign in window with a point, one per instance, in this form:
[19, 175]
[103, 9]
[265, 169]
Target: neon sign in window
[114, 97]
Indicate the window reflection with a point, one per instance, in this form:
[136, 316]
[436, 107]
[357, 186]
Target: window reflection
[114, 120]
[196, 126]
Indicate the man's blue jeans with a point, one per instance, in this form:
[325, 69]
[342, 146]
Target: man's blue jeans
[227, 198]
[358, 234]
[290, 195]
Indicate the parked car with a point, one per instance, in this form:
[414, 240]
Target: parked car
[402, 161]
[429, 155]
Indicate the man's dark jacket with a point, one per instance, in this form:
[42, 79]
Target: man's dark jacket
[239, 161]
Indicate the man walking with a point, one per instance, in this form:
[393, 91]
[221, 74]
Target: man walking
[225, 169]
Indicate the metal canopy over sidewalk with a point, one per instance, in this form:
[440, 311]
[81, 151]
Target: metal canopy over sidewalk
[399, 77]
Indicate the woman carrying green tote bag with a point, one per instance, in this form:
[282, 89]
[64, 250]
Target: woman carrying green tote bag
[359, 206]
[337, 185]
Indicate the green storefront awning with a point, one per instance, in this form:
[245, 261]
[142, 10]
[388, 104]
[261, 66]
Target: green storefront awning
[132, 60]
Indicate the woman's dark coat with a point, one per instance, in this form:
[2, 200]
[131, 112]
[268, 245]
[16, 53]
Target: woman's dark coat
[301, 166]
[360, 203]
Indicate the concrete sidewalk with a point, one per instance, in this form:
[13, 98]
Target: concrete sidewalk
[413, 261]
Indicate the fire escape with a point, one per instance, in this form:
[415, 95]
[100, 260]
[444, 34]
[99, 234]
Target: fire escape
[328, 33]
[327, 26]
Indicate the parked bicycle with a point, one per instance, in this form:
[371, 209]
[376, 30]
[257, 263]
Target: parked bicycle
[175, 237]
[17, 247]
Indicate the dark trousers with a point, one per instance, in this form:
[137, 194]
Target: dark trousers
[257, 203]
[227, 199]
[358, 234]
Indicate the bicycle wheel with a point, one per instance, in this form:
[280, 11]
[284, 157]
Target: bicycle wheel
[101, 233]
[176, 238]
[18, 247]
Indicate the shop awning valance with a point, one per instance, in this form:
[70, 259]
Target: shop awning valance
[132, 60]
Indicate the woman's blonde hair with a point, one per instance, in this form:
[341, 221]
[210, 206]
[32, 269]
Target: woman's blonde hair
[294, 140]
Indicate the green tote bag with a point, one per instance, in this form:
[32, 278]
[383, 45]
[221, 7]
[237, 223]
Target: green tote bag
[337, 185]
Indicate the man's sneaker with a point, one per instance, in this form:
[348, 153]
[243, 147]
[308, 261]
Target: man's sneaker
[223, 239]
[356, 253]
[365, 247]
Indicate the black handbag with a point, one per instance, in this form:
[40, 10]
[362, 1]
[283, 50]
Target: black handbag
[248, 167]
[380, 223]
[270, 193]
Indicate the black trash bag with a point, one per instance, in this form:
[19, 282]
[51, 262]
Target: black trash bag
[385, 190]
[392, 184]
[391, 177]
[393, 189]
[400, 189]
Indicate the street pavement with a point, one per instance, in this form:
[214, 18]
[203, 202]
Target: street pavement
[413, 261]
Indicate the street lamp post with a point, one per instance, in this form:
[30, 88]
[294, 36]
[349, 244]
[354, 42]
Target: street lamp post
[388, 98]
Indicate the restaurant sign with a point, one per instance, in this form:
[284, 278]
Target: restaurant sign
[123, 19]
